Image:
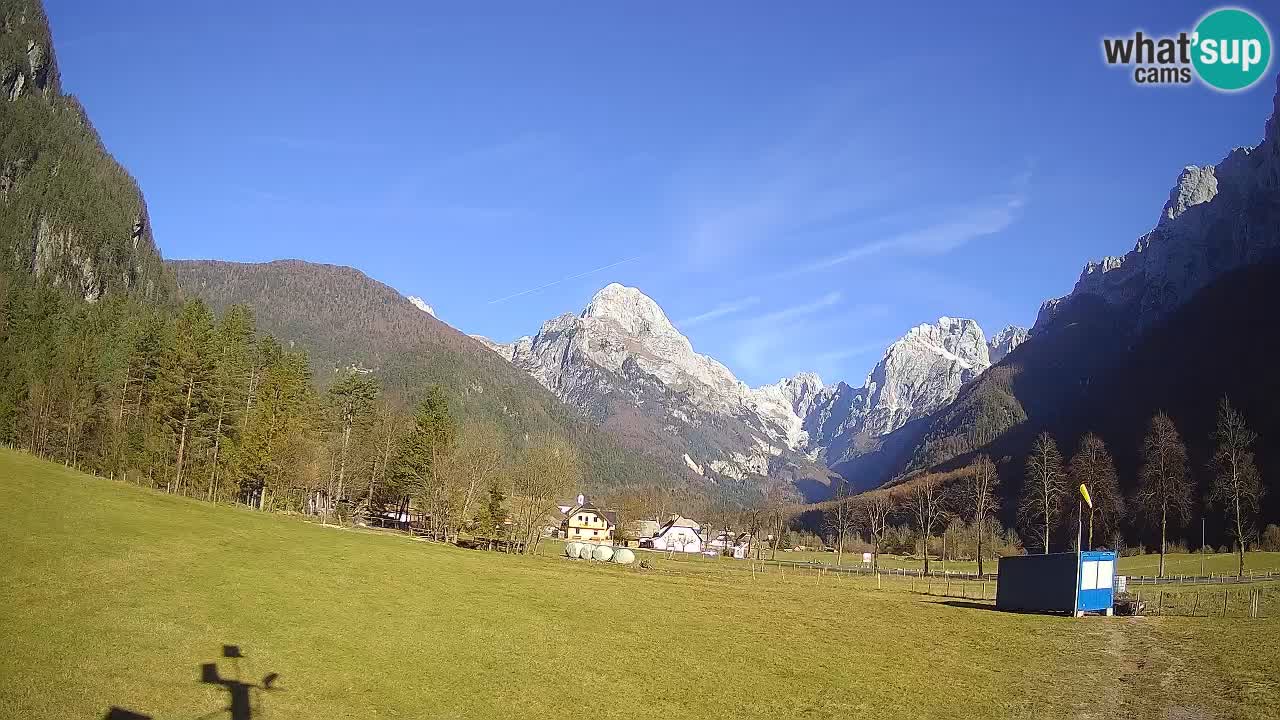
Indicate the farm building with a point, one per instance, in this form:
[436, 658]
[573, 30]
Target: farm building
[737, 544]
[588, 523]
[637, 532]
[679, 533]
[1073, 583]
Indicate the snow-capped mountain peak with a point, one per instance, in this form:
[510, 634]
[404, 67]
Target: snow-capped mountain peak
[635, 312]
[621, 357]
[421, 305]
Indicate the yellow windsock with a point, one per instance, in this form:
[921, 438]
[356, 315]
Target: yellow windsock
[1084, 492]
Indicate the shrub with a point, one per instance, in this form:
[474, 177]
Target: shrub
[1270, 540]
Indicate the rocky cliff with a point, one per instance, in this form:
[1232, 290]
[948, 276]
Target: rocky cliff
[69, 213]
[623, 362]
[1218, 218]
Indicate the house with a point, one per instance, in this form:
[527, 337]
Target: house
[731, 543]
[587, 523]
[637, 532]
[679, 534]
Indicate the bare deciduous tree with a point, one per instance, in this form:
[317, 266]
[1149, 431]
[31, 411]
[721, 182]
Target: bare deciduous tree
[546, 471]
[1164, 490]
[779, 497]
[874, 510]
[926, 494]
[1046, 482]
[840, 519]
[475, 463]
[1237, 486]
[979, 495]
[1091, 466]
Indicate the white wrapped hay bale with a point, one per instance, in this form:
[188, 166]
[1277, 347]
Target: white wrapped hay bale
[584, 551]
[571, 549]
[603, 553]
[623, 556]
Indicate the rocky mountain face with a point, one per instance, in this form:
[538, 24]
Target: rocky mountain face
[919, 373]
[344, 319]
[1153, 329]
[69, 213]
[630, 370]
[1003, 342]
[621, 356]
[1218, 218]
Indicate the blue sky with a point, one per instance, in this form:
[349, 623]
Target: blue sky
[795, 185]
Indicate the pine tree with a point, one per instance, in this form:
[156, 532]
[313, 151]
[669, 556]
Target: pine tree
[186, 374]
[422, 451]
[352, 402]
[230, 385]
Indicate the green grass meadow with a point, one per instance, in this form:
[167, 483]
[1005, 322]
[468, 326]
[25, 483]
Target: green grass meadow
[1148, 564]
[114, 596]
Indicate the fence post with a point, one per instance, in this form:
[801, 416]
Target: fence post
[1224, 604]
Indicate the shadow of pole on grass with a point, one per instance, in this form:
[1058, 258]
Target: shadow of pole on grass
[240, 693]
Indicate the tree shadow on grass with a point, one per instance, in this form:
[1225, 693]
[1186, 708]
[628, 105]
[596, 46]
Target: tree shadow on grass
[240, 693]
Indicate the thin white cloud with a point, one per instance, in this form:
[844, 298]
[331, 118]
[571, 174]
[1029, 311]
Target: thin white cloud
[797, 311]
[719, 311]
[833, 356]
[988, 218]
[764, 334]
[553, 283]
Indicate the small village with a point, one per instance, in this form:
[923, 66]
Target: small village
[584, 522]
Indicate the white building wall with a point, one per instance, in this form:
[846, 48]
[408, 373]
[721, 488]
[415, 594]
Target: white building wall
[680, 539]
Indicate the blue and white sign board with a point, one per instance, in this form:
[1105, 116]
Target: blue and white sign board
[1095, 582]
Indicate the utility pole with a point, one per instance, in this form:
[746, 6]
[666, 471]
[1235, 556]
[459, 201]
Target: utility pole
[1202, 545]
[1075, 610]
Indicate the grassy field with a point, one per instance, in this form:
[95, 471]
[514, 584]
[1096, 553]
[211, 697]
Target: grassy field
[114, 595]
[1175, 563]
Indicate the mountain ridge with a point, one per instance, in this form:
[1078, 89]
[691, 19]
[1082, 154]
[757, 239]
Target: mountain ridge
[622, 349]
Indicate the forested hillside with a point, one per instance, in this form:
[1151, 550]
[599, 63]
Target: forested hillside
[103, 366]
[69, 213]
[345, 319]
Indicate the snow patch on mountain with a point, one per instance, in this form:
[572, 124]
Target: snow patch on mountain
[422, 305]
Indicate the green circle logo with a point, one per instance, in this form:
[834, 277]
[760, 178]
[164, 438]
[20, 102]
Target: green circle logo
[1232, 49]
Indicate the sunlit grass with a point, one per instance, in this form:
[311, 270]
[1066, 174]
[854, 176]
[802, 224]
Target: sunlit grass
[113, 596]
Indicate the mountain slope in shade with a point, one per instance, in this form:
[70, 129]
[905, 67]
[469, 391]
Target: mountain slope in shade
[1218, 218]
[1206, 348]
[1218, 221]
[69, 213]
[343, 318]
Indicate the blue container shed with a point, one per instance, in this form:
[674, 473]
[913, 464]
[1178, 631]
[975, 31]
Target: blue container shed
[1058, 582]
